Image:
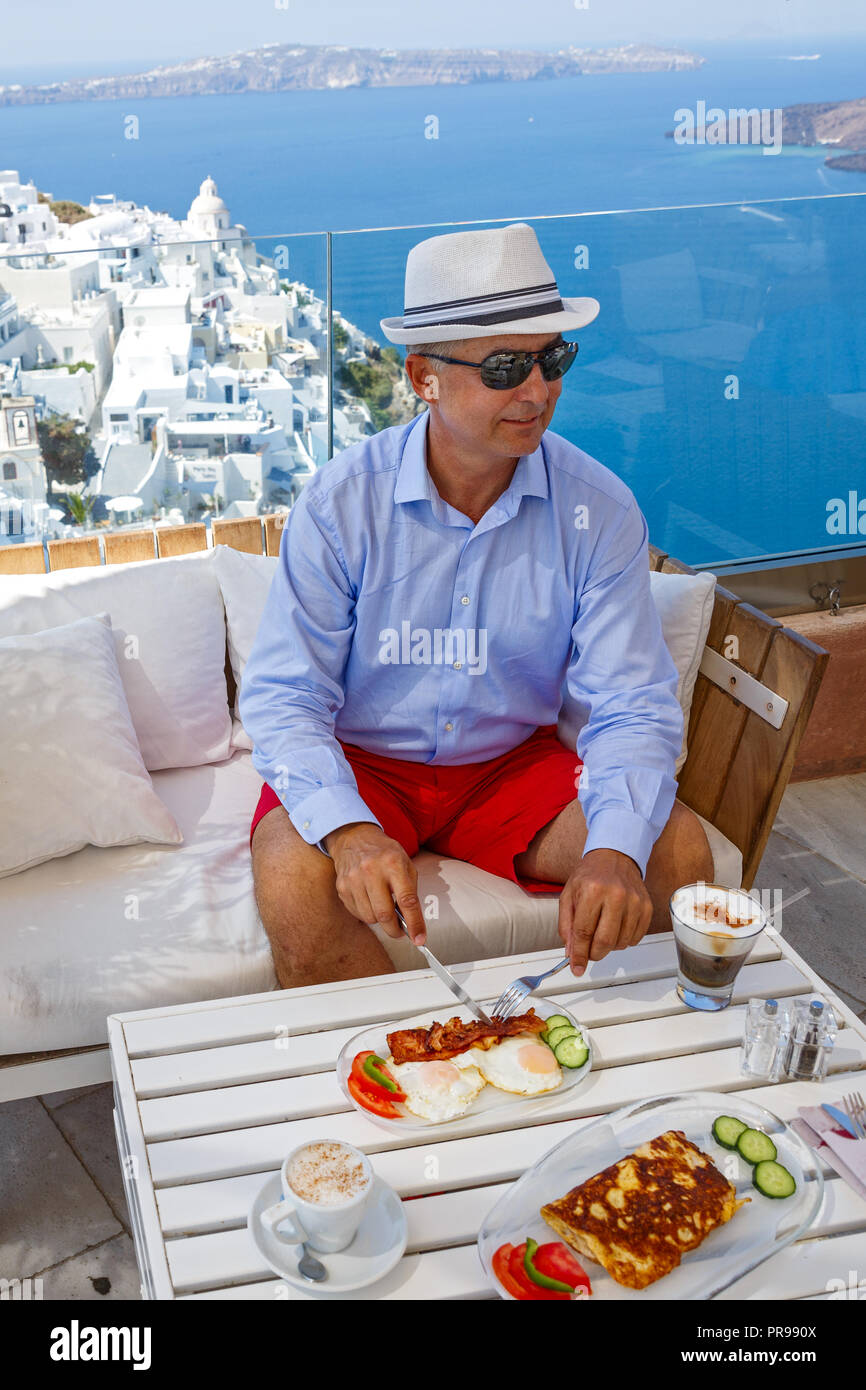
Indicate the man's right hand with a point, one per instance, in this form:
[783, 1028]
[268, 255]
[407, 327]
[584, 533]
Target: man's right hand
[372, 872]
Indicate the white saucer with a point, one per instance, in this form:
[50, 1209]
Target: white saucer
[378, 1245]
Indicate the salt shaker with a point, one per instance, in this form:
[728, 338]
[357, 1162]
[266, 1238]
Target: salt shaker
[810, 1042]
[764, 1039]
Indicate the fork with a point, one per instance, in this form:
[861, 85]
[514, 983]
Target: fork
[856, 1111]
[514, 994]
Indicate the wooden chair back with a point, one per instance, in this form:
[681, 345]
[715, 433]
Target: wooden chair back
[738, 765]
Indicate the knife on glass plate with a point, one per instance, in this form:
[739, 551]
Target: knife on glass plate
[841, 1119]
[444, 975]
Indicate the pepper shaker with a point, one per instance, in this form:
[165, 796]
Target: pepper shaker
[813, 1033]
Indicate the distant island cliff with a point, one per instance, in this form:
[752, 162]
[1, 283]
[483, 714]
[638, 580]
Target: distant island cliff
[288, 67]
[840, 124]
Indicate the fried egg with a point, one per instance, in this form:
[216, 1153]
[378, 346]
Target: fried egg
[437, 1090]
[522, 1065]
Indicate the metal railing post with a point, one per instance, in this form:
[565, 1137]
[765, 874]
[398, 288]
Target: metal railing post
[330, 322]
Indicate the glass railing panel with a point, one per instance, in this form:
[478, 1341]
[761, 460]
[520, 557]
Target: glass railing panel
[724, 379]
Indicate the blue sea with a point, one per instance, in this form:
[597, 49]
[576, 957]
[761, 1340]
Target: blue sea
[725, 378]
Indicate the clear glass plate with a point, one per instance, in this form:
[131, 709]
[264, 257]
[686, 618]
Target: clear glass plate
[490, 1099]
[754, 1233]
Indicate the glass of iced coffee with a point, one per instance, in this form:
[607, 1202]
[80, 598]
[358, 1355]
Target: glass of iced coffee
[715, 929]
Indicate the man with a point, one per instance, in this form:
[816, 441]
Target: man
[436, 584]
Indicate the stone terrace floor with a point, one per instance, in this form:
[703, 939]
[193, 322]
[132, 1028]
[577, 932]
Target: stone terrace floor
[64, 1218]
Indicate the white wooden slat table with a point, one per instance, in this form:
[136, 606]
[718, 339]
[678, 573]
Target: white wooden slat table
[209, 1098]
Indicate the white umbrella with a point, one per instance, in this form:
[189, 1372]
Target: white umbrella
[55, 514]
[124, 504]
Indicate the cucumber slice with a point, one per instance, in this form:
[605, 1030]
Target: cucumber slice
[756, 1147]
[556, 1035]
[571, 1052]
[727, 1130]
[773, 1180]
[555, 1021]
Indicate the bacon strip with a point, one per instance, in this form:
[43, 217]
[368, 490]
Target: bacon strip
[443, 1040]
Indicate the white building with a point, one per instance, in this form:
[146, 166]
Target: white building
[83, 332]
[49, 280]
[150, 381]
[9, 320]
[22, 472]
[23, 219]
[59, 391]
[155, 307]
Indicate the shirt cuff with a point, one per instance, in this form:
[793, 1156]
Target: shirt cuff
[624, 831]
[327, 809]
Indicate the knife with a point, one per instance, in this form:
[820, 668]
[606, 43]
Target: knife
[444, 975]
[841, 1119]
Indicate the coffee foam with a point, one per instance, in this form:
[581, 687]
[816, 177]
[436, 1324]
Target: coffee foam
[719, 917]
[326, 1174]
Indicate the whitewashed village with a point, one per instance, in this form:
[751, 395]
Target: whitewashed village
[161, 371]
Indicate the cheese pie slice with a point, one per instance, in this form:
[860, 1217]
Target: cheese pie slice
[639, 1217]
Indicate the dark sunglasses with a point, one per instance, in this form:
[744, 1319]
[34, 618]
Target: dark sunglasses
[502, 371]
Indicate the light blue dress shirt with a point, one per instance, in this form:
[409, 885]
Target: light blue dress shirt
[397, 624]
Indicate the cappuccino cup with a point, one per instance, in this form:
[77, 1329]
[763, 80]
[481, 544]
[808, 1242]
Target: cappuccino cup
[715, 929]
[326, 1187]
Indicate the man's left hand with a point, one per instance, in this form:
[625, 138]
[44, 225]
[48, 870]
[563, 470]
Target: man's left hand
[603, 907]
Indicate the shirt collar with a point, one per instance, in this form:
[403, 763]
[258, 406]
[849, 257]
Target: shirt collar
[415, 484]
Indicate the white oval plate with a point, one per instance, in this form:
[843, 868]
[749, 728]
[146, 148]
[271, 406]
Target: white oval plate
[375, 1039]
[755, 1232]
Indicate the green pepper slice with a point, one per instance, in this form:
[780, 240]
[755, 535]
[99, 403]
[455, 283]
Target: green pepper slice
[543, 1280]
[374, 1068]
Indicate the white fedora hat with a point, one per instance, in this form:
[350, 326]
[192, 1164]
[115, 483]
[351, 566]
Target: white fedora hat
[481, 285]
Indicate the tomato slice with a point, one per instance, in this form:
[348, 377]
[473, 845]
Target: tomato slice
[371, 1087]
[528, 1290]
[375, 1104]
[558, 1262]
[500, 1263]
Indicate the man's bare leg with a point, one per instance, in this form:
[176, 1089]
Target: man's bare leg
[313, 937]
[680, 855]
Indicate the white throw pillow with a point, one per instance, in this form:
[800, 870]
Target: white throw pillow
[71, 773]
[169, 628]
[244, 581]
[684, 603]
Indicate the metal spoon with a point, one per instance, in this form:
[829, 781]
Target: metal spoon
[311, 1268]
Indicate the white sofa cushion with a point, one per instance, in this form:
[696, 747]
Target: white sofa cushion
[684, 603]
[244, 581]
[685, 606]
[169, 628]
[72, 772]
[109, 930]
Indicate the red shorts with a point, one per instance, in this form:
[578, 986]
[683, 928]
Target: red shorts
[484, 813]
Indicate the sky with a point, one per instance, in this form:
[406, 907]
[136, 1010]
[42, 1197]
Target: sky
[101, 36]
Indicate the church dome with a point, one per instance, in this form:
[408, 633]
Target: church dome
[207, 202]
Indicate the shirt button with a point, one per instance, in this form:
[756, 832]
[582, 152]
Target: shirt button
[465, 598]
[306, 825]
[458, 665]
[449, 727]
